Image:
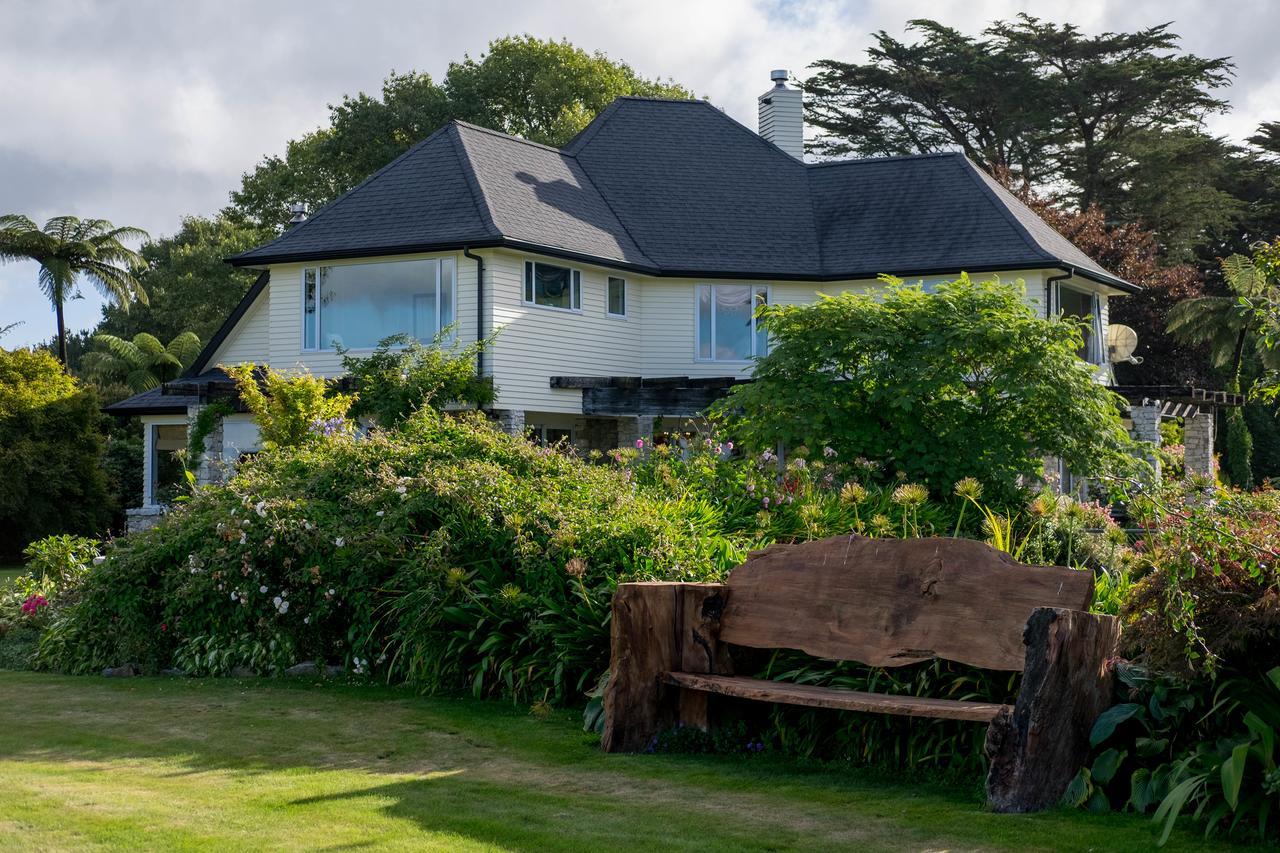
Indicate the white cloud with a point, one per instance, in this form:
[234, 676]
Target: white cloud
[146, 111]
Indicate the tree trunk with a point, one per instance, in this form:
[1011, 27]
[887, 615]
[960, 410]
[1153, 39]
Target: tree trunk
[62, 329]
[1039, 746]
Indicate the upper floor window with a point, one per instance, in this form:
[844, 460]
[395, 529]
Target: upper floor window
[616, 297]
[552, 286]
[357, 305]
[1088, 307]
[727, 325]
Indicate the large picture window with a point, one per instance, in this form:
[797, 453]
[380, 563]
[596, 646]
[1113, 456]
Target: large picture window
[552, 286]
[357, 305]
[727, 325]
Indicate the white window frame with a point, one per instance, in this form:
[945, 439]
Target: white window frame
[575, 287]
[302, 287]
[626, 297]
[697, 326]
[1095, 345]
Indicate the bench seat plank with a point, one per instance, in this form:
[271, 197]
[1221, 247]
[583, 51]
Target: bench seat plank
[837, 698]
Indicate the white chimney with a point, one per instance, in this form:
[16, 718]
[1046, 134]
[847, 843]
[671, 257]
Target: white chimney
[782, 115]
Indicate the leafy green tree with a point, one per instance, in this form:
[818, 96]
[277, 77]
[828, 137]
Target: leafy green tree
[191, 287]
[142, 363]
[545, 91]
[968, 381]
[50, 446]
[68, 248]
[1114, 118]
[1229, 325]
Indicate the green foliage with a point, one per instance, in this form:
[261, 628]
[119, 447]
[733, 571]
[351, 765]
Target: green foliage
[1178, 746]
[290, 409]
[204, 423]
[446, 554]
[402, 375]
[142, 363]
[1208, 574]
[50, 444]
[69, 248]
[191, 287]
[964, 382]
[544, 90]
[61, 560]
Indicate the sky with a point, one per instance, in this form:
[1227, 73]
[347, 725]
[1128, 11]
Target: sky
[144, 112]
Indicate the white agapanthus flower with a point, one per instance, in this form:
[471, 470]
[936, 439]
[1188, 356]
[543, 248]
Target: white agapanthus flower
[262, 588]
[233, 595]
[340, 541]
[381, 513]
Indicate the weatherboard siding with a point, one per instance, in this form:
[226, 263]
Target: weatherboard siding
[250, 340]
[535, 343]
[657, 338]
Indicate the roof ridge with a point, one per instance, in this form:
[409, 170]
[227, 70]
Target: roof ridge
[503, 135]
[582, 137]
[478, 197]
[971, 169]
[887, 158]
[613, 212]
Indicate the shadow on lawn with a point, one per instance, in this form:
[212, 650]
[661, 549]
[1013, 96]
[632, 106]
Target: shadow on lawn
[491, 772]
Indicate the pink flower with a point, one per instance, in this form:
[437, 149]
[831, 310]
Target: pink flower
[33, 604]
[639, 444]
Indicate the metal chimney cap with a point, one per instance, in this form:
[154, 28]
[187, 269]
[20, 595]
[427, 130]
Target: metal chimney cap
[299, 211]
[778, 76]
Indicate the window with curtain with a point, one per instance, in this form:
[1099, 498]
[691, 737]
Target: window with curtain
[616, 301]
[727, 326]
[357, 305]
[552, 286]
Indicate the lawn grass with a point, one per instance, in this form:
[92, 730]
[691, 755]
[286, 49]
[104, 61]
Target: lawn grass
[8, 573]
[215, 764]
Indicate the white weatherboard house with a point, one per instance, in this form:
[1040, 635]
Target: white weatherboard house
[621, 272]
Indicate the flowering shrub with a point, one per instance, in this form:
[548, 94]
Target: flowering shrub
[1209, 589]
[291, 409]
[444, 553]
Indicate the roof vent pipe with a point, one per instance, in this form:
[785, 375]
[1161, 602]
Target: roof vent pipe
[299, 211]
[782, 115]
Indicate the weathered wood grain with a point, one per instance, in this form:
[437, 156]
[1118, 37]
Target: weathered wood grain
[653, 632]
[813, 696]
[1037, 746]
[698, 611]
[889, 602]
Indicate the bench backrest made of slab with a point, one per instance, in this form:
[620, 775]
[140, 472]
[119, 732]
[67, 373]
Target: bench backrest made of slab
[890, 602]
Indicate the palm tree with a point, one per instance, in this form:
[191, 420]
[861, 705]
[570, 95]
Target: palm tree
[1228, 324]
[67, 248]
[142, 363]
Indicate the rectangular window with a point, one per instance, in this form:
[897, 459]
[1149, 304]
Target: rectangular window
[617, 297]
[356, 306]
[552, 287]
[550, 436]
[727, 326]
[1084, 306]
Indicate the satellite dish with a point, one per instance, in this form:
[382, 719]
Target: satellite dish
[1121, 342]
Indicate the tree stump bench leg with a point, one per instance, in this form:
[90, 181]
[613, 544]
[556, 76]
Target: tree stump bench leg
[659, 628]
[1037, 748]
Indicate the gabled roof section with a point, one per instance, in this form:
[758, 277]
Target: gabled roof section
[678, 188]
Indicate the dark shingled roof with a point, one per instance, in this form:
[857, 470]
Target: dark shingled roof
[678, 188]
[171, 398]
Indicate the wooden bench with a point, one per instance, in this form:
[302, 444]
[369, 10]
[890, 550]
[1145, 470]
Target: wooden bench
[885, 603]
